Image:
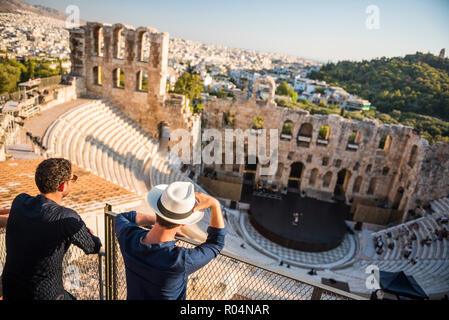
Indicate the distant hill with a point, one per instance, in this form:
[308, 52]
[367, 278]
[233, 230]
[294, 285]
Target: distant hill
[12, 6]
[417, 83]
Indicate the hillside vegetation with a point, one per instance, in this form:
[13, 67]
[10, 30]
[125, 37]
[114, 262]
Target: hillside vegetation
[413, 90]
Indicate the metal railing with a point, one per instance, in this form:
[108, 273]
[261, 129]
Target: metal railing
[227, 277]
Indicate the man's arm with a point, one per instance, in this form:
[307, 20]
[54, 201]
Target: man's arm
[201, 255]
[133, 219]
[78, 234]
[206, 202]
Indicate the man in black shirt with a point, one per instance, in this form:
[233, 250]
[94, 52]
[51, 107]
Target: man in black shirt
[38, 234]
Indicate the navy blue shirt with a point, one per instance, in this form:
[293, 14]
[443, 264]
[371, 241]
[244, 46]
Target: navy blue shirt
[160, 271]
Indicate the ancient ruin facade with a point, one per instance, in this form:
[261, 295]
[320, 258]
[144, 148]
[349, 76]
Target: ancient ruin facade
[128, 67]
[325, 156]
[321, 156]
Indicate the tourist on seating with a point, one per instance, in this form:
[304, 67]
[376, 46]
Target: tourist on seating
[4, 214]
[443, 220]
[379, 250]
[391, 245]
[413, 237]
[39, 232]
[445, 233]
[407, 251]
[312, 272]
[156, 268]
[389, 235]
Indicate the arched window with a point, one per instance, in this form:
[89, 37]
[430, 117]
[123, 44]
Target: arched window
[118, 78]
[372, 186]
[228, 119]
[305, 135]
[119, 43]
[385, 170]
[97, 74]
[143, 46]
[385, 143]
[357, 185]
[327, 179]
[413, 156]
[353, 141]
[313, 176]
[257, 125]
[287, 129]
[98, 41]
[323, 135]
[141, 81]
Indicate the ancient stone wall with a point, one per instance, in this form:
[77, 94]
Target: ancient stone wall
[384, 162]
[335, 156]
[128, 67]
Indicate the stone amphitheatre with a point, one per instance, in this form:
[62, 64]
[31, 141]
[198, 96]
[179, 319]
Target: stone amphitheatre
[387, 175]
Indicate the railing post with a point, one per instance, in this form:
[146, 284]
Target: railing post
[100, 274]
[316, 293]
[109, 249]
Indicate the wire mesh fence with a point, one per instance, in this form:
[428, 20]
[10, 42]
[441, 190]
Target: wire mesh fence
[103, 276]
[225, 278]
[82, 274]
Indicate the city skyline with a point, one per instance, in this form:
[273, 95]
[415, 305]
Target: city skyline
[326, 32]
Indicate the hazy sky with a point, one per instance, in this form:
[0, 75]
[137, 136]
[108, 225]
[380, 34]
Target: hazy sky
[322, 30]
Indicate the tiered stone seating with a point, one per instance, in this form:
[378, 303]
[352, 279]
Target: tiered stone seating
[100, 138]
[432, 269]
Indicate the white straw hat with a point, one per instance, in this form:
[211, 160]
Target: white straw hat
[175, 202]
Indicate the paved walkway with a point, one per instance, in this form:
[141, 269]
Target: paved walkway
[37, 125]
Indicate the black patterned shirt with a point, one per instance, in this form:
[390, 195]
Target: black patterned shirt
[38, 234]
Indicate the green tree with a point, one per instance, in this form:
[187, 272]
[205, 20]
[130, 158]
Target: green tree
[191, 86]
[284, 89]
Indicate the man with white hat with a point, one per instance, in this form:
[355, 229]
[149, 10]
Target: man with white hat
[155, 267]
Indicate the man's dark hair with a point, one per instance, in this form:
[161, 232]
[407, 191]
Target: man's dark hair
[165, 223]
[51, 173]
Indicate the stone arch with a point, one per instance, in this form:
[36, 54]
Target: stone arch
[327, 178]
[118, 41]
[143, 44]
[269, 81]
[141, 81]
[294, 179]
[305, 135]
[341, 186]
[98, 36]
[413, 156]
[372, 186]
[287, 130]
[97, 75]
[313, 177]
[118, 78]
[357, 184]
[385, 143]
[323, 135]
[353, 140]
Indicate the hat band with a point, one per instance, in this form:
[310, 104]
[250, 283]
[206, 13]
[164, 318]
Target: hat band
[171, 215]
